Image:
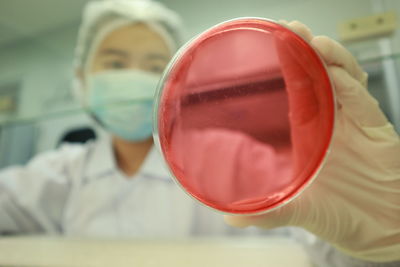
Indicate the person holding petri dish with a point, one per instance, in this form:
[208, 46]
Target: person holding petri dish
[118, 186]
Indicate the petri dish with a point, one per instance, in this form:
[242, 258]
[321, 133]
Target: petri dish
[244, 116]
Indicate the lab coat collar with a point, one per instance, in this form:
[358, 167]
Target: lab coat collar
[101, 158]
[102, 161]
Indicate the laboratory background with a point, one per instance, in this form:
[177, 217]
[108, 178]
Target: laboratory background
[39, 110]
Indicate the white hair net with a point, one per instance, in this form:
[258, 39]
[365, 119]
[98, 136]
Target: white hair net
[108, 14]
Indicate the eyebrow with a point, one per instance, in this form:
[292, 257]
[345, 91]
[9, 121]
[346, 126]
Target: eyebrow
[154, 56]
[122, 53]
[115, 52]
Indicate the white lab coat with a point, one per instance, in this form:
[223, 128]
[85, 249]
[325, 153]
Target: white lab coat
[78, 190]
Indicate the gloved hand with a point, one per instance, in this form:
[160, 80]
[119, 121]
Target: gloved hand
[354, 203]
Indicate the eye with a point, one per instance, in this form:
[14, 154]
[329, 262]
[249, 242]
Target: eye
[157, 69]
[155, 66]
[115, 64]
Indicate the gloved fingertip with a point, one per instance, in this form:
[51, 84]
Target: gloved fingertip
[324, 46]
[283, 22]
[356, 100]
[301, 29]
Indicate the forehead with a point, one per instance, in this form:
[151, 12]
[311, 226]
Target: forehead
[135, 38]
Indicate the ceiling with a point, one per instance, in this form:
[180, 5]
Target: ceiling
[21, 19]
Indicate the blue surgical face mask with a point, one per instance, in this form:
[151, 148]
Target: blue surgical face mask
[122, 101]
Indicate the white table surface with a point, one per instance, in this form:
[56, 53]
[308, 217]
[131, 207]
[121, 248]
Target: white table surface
[231, 252]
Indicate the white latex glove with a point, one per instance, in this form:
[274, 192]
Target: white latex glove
[354, 203]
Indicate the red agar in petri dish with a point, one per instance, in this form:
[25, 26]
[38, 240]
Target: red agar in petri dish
[244, 116]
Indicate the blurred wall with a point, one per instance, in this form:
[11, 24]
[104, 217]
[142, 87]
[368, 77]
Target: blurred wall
[42, 65]
[321, 16]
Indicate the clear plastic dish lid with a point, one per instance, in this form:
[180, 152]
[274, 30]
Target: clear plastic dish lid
[244, 116]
